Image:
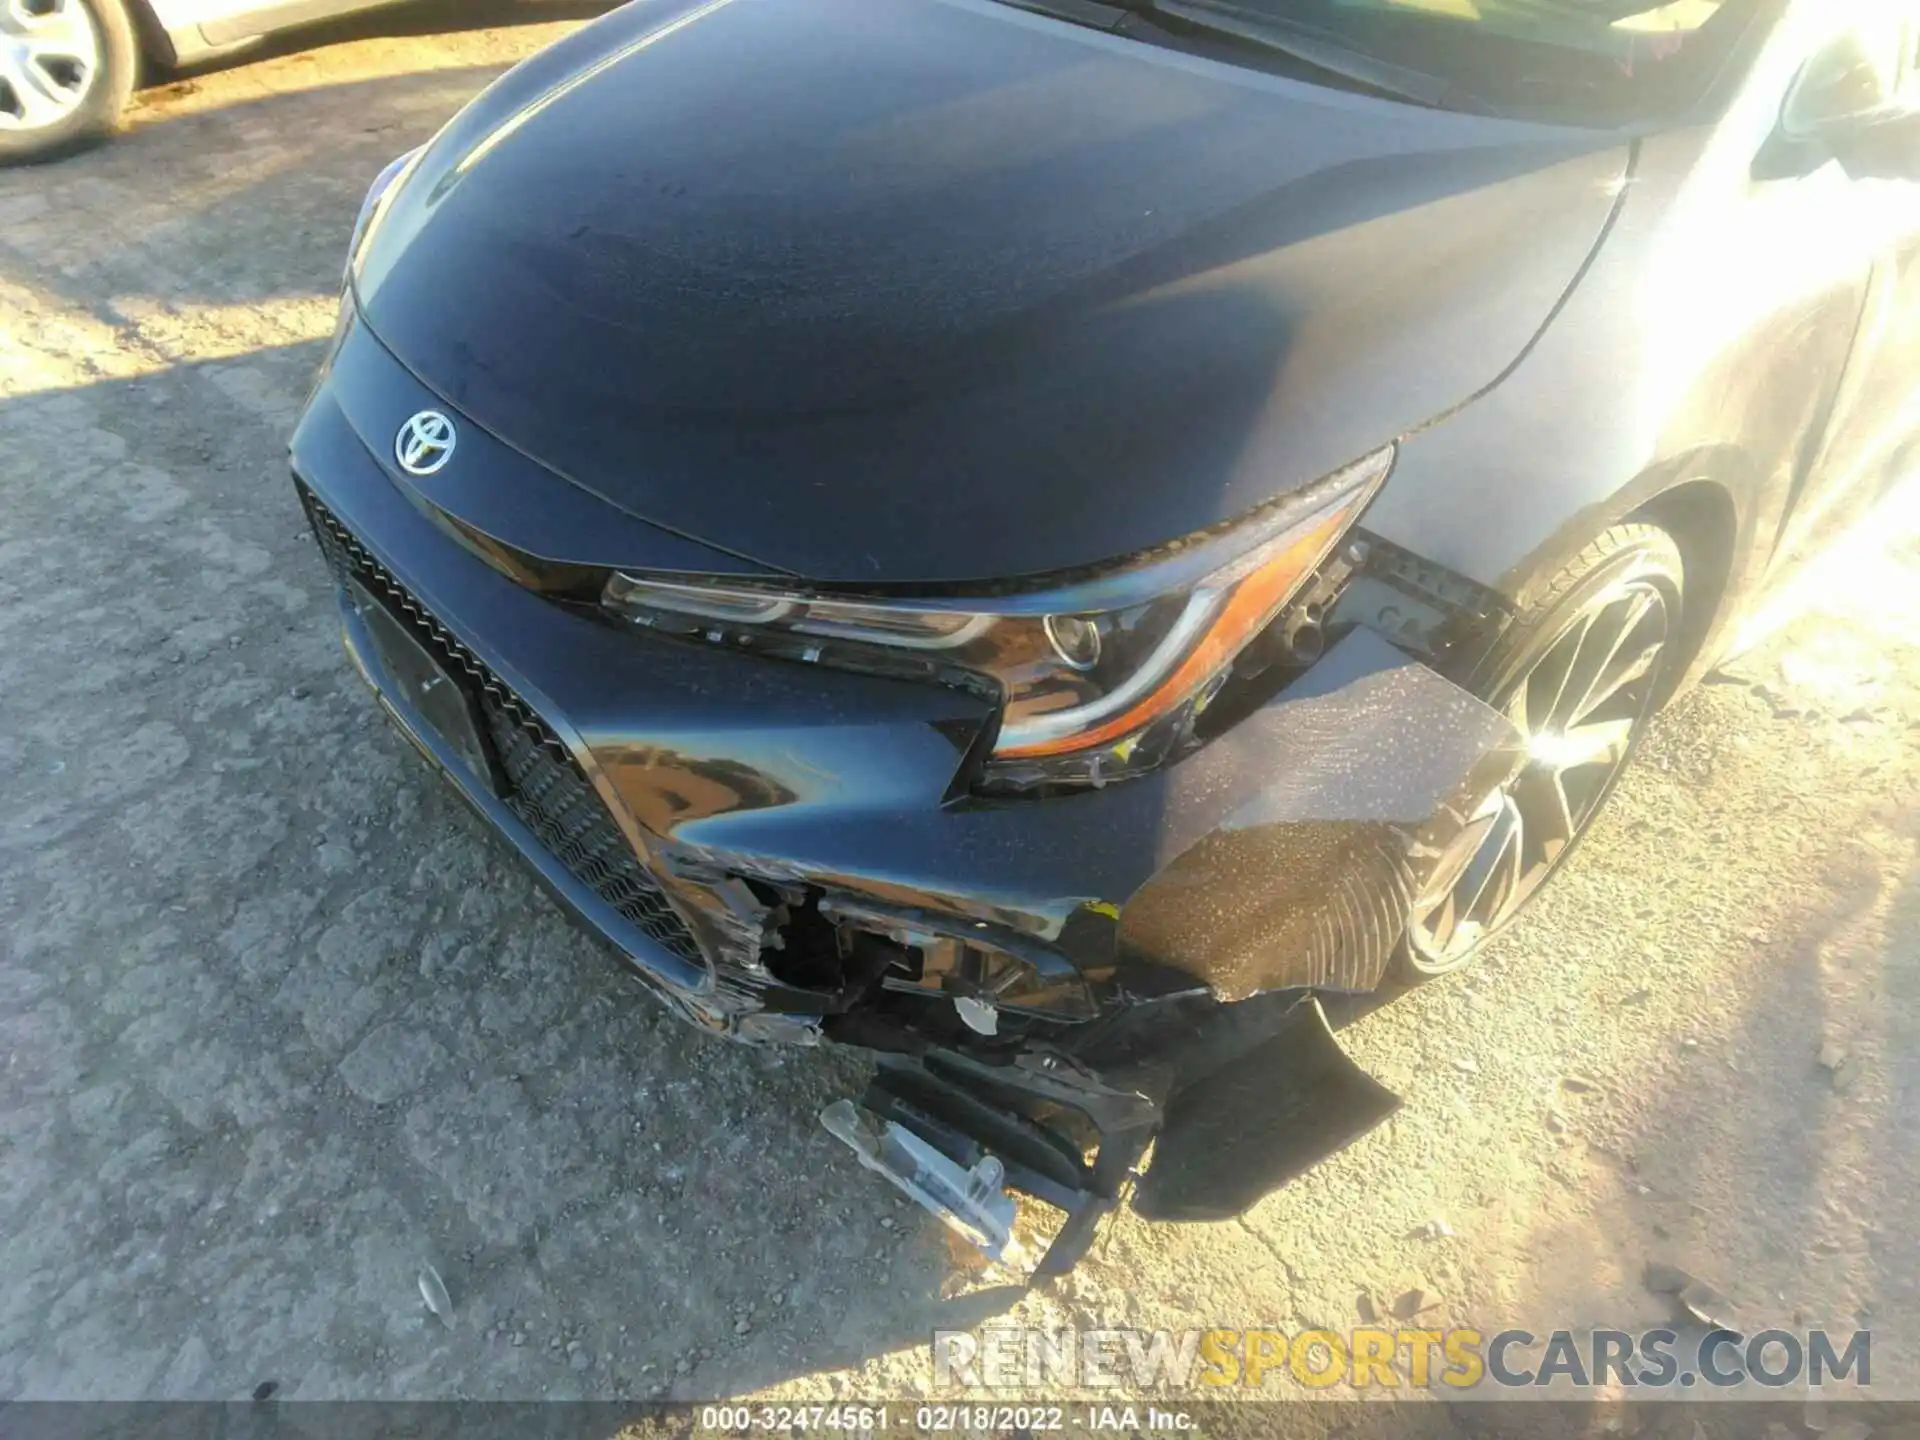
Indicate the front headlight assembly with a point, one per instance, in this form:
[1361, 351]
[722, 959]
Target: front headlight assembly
[1100, 675]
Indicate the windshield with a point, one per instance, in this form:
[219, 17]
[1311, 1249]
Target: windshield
[1599, 59]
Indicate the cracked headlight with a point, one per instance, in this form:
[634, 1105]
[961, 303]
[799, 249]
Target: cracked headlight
[1100, 674]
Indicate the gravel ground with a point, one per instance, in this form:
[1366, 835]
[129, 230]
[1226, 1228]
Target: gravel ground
[283, 1024]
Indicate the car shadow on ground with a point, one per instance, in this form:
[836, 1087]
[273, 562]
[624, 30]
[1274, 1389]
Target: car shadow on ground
[1767, 1147]
[1782, 1182]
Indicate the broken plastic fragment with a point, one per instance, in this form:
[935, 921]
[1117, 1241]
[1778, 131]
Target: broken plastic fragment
[434, 1291]
[977, 1015]
[1704, 1304]
[971, 1202]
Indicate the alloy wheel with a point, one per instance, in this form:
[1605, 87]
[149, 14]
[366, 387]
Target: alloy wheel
[50, 59]
[1579, 707]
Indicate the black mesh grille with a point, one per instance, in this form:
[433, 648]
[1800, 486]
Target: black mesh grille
[545, 788]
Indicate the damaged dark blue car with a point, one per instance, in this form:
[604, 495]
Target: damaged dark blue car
[1038, 540]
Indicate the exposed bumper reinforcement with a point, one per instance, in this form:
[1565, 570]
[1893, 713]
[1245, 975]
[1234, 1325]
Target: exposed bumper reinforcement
[1028, 1126]
[957, 1136]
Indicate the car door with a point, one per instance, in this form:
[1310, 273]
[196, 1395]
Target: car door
[218, 23]
[1869, 64]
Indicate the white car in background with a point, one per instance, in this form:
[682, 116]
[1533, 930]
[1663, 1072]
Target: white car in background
[67, 67]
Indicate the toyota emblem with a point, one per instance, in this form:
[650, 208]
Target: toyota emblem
[425, 443]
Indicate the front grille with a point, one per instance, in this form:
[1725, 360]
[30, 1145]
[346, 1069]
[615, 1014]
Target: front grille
[546, 787]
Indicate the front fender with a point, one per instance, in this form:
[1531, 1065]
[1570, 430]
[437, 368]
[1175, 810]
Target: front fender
[1662, 367]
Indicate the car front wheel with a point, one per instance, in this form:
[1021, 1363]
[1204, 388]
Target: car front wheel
[66, 71]
[1579, 674]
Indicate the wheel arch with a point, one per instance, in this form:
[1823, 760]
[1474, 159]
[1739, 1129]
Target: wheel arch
[1711, 500]
[157, 50]
[1701, 516]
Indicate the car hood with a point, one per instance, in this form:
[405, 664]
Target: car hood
[940, 290]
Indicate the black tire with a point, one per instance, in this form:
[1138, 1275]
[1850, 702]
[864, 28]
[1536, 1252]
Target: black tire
[1538, 674]
[97, 102]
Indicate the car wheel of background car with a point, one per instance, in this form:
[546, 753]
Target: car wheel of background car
[1579, 674]
[66, 71]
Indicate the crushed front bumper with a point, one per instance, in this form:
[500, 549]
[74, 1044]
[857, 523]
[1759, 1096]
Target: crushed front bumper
[784, 853]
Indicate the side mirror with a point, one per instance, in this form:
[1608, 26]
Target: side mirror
[1844, 86]
[1843, 106]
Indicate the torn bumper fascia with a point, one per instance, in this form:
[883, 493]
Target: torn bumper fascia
[1228, 1075]
[1257, 1105]
[1282, 856]
[1278, 856]
[957, 1134]
[1276, 860]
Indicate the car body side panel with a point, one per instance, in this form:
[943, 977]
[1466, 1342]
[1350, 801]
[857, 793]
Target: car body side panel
[196, 28]
[1874, 438]
[1363, 771]
[1708, 340]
